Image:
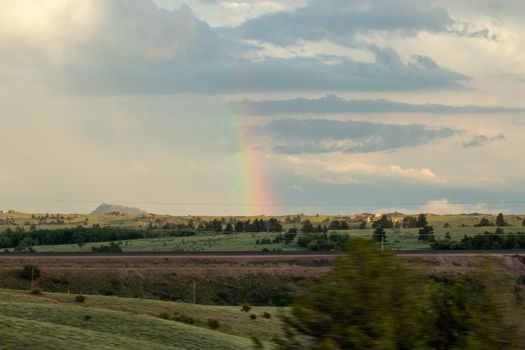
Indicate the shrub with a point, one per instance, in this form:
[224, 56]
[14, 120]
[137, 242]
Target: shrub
[408, 311]
[266, 315]
[184, 319]
[213, 324]
[164, 316]
[253, 316]
[87, 317]
[80, 299]
[257, 343]
[30, 272]
[246, 308]
[111, 248]
[35, 291]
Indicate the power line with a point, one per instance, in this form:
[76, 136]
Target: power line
[319, 204]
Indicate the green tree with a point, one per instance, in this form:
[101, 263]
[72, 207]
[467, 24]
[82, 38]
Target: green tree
[30, 272]
[421, 221]
[409, 222]
[274, 225]
[334, 225]
[484, 222]
[228, 228]
[289, 237]
[426, 234]
[371, 300]
[368, 300]
[239, 226]
[379, 234]
[307, 227]
[500, 220]
[384, 222]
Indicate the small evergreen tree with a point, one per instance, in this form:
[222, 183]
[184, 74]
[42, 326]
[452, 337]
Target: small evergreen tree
[422, 221]
[334, 225]
[228, 228]
[239, 226]
[307, 227]
[426, 234]
[379, 234]
[500, 220]
[484, 222]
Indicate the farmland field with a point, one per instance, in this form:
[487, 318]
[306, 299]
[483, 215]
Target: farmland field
[453, 226]
[247, 242]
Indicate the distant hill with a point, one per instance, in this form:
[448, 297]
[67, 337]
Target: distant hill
[105, 208]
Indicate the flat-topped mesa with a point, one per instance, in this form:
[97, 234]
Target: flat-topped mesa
[106, 208]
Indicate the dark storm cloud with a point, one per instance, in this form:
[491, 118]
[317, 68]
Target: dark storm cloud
[387, 73]
[290, 136]
[340, 20]
[483, 140]
[332, 104]
[137, 48]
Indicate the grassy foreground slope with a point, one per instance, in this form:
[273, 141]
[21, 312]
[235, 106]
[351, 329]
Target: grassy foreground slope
[56, 321]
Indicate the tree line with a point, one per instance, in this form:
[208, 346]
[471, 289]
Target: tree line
[498, 240]
[75, 235]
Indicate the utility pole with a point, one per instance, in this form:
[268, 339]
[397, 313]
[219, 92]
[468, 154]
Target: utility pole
[194, 293]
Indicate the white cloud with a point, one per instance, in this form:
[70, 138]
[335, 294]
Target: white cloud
[84, 32]
[359, 172]
[444, 206]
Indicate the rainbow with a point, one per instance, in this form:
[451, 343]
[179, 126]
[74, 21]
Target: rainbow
[252, 182]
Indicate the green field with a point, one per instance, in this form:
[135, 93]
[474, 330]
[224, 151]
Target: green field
[205, 242]
[225, 242]
[455, 225]
[25, 220]
[407, 240]
[56, 321]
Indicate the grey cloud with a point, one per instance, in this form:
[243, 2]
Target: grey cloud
[290, 136]
[120, 32]
[136, 48]
[133, 47]
[332, 104]
[482, 140]
[340, 20]
[387, 73]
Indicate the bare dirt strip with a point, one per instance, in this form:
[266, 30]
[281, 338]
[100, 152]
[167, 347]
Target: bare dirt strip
[300, 265]
[232, 264]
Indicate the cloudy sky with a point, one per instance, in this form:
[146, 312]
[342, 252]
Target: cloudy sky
[262, 106]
